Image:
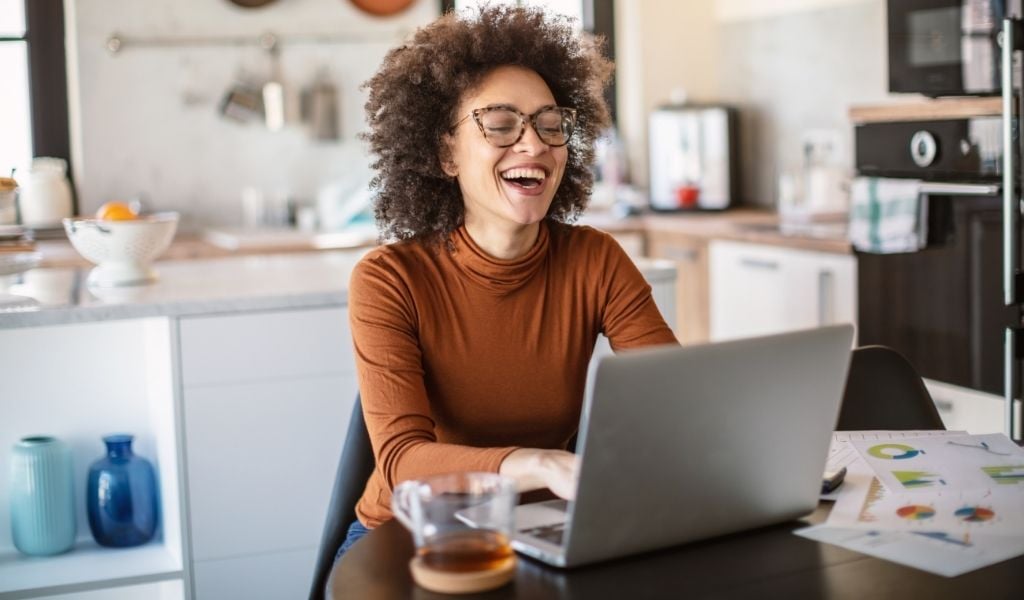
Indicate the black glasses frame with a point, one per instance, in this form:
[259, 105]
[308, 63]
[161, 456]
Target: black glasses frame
[477, 115]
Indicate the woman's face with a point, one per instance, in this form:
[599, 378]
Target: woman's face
[505, 186]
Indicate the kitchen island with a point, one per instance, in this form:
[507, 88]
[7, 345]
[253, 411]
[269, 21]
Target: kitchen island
[235, 374]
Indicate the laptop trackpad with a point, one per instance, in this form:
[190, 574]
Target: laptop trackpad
[542, 514]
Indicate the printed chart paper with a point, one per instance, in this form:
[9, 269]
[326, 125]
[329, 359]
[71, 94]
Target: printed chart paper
[841, 452]
[933, 552]
[949, 462]
[943, 502]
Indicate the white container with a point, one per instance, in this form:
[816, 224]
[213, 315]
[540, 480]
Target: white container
[45, 194]
[8, 201]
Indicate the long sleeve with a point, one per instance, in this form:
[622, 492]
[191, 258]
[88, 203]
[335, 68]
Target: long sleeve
[630, 318]
[391, 375]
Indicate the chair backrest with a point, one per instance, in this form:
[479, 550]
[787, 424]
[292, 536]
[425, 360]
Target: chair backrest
[883, 391]
[354, 469]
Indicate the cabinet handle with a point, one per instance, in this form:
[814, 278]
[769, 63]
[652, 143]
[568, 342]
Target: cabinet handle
[826, 300]
[682, 254]
[759, 263]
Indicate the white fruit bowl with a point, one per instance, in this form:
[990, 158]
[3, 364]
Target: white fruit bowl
[122, 250]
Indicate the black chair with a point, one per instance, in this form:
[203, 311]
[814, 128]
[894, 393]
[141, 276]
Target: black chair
[354, 469]
[883, 391]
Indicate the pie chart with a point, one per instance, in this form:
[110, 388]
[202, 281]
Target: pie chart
[894, 451]
[915, 512]
[975, 514]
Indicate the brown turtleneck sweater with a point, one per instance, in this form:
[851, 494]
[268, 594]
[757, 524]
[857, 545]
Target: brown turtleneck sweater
[463, 358]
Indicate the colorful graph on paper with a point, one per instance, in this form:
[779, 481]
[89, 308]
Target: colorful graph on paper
[894, 451]
[915, 512]
[876, 493]
[962, 462]
[975, 514]
[918, 479]
[1008, 475]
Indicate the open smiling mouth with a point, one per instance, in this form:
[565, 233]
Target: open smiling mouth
[524, 179]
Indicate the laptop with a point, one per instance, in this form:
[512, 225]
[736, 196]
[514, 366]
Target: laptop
[679, 444]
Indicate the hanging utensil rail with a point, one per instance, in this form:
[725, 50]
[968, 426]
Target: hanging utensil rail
[117, 42]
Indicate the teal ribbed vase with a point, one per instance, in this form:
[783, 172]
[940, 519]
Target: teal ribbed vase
[42, 496]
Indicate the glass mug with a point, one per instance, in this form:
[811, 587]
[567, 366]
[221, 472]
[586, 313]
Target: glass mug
[461, 524]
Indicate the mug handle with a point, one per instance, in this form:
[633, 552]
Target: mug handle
[400, 503]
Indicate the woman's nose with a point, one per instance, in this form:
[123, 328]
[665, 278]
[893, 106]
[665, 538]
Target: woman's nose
[530, 143]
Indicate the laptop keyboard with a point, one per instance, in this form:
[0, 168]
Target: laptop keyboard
[552, 534]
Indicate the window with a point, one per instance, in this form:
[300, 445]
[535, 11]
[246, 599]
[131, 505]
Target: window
[15, 117]
[34, 102]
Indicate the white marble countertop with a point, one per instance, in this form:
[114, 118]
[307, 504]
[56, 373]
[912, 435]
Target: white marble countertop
[58, 296]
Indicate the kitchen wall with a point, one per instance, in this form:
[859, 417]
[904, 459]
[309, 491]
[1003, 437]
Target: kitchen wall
[790, 66]
[660, 45]
[146, 120]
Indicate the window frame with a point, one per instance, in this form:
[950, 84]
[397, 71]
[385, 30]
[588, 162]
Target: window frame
[48, 88]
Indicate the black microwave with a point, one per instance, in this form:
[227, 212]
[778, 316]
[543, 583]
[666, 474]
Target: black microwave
[947, 47]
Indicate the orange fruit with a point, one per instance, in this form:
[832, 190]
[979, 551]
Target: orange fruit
[116, 211]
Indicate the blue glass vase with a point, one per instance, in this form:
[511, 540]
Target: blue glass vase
[121, 491]
[42, 496]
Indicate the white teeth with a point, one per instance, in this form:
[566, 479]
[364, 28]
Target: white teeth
[520, 173]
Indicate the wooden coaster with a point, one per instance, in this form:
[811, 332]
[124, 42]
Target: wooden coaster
[462, 583]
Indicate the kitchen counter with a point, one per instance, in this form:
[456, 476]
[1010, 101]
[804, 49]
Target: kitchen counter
[228, 284]
[187, 287]
[742, 225]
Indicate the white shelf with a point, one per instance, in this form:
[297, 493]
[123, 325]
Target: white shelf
[87, 562]
[115, 376]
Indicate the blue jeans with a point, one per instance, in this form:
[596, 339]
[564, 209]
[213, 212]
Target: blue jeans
[355, 531]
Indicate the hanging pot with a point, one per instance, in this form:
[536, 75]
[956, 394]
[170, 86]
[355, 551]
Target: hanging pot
[382, 8]
[252, 3]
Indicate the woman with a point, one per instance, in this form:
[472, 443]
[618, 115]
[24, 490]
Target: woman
[474, 330]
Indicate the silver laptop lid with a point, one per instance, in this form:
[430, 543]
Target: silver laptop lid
[680, 444]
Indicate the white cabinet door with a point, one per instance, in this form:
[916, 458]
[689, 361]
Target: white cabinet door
[758, 289]
[266, 399]
[261, 462]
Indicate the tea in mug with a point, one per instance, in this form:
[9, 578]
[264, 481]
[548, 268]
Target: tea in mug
[466, 551]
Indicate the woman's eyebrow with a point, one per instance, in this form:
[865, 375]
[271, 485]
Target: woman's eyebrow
[516, 108]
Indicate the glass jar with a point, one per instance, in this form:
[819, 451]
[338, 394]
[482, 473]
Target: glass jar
[45, 196]
[8, 201]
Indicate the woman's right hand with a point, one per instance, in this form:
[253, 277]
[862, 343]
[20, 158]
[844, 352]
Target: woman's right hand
[533, 468]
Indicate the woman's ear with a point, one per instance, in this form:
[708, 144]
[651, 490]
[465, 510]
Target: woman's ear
[446, 156]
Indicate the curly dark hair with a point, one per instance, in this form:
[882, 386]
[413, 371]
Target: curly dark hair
[414, 96]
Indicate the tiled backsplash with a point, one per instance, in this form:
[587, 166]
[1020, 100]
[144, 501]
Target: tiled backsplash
[797, 72]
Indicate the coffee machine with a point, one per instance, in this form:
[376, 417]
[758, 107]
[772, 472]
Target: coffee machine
[693, 157]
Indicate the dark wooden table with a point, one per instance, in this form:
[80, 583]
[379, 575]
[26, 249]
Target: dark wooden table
[764, 564]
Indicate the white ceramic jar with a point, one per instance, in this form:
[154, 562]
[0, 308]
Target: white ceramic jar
[45, 194]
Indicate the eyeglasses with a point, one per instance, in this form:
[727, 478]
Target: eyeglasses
[504, 126]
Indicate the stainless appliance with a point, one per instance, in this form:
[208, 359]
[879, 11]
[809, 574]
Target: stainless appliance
[943, 307]
[692, 155]
[946, 47]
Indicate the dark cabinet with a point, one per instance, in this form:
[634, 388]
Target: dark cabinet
[942, 306]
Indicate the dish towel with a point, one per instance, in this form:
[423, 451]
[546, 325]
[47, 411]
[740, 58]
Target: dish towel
[887, 216]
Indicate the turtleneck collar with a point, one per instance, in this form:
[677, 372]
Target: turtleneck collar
[495, 274]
